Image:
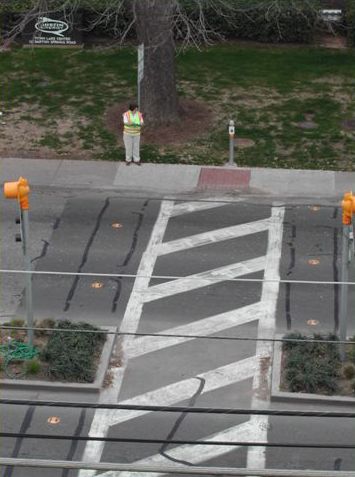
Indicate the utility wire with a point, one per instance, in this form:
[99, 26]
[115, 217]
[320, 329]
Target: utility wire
[179, 409]
[183, 336]
[174, 277]
[23, 435]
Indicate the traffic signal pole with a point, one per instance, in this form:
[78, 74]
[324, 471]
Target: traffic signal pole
[19, 190]
[28, 267]
[348, 205]
[343, 309]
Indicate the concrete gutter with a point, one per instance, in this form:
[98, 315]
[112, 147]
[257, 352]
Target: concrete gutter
[95, 387]
[282, 396]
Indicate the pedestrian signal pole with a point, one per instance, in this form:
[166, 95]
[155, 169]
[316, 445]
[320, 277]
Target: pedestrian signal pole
[348, 206]
[20, 190]
[231, 131]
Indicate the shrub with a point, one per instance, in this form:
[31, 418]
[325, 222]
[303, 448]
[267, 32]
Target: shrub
[349, 371]
[16, 323]
[32, 366]
[71, 356]
[289, 345]
[46, 323]
[312, 367]
[351, 350]
[350, 21]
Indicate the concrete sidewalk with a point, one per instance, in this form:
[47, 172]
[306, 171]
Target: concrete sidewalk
[175, 179]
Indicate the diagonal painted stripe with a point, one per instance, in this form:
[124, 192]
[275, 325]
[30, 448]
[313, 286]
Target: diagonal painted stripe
[210, 277]
[182, 390]
[204, 327]
[195, 454]
[214, 236]
[188, 207]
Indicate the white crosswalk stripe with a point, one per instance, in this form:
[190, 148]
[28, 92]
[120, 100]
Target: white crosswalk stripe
[204, 327]
[256, 367]
[197, 453]
[183, 208]
[182, 390]
[204, 279]
[214, 236]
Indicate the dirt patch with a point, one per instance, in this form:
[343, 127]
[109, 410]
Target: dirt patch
[23, 129]
[244, 143]
[195, 120]
[332, 41]
[307, 125]
[264, 368]
[348, 124]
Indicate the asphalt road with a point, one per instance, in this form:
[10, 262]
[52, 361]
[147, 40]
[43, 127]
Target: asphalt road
[209, 242]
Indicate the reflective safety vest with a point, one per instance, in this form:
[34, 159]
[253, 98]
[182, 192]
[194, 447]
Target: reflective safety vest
[132, 123]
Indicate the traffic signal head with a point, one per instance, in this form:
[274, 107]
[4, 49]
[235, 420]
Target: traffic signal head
[18, 190]
[348, 205]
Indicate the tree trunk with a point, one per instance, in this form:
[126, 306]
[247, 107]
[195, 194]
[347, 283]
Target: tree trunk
[159, 102]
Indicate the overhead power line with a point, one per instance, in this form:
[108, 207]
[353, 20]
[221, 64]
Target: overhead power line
[173, 277]
[182, 336]
[59, 437]
[193, 470]
[179, 409]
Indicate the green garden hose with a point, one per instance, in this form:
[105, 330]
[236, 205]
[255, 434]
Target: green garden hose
[17, 351]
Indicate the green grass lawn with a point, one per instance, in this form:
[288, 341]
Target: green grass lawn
[57, 99]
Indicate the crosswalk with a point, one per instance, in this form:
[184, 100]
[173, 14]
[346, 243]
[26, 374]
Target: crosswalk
[256, 367]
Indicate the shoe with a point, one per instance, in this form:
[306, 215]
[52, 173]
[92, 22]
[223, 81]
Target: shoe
[138, 163]
[128, 163]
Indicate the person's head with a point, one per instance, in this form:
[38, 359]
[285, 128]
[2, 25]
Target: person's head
[133, 106]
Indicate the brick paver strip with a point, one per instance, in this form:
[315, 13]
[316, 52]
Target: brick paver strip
[213, 178]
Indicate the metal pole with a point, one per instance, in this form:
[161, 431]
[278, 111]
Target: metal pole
[29, 306]
[231, 142]
[343, 314]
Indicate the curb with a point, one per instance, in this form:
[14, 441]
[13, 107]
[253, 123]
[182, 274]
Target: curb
[283, 396]
[94, 387]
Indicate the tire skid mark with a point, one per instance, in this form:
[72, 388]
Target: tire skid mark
[74, 443]
[26, 423]
[43, 252]
[129, 255]
[292, 248]
[178, 423]
[85, 254]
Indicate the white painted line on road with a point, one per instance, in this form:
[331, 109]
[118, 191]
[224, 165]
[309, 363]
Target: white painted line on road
[188, 207]
[214, 236]
[204, 279]
[203, 327]
[195, 454]
[262, 381]
[103, 418]
[179, 391]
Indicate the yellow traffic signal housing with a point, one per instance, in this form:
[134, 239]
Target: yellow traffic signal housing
[348, 205]
[18, 190]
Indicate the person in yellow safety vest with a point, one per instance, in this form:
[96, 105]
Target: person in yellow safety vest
[132, 124]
